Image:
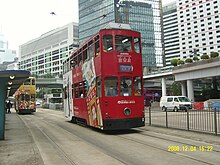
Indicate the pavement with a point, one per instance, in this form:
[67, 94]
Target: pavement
[19, 147]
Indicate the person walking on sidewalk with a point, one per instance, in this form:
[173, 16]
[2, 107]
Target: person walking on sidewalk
[8, 106]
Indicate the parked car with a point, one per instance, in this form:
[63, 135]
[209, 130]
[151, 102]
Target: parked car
[38, 103]
[175, 103]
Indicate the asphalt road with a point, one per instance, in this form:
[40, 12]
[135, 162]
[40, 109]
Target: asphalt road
[61, 142]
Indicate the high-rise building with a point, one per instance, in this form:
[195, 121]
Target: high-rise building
[199, 27]
[170, 33]
[6, 54]
[45, 54]
[142, 15]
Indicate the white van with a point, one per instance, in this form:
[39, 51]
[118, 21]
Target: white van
[175, 103]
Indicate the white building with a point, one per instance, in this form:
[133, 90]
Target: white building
[14, 65]
[199, 26]
[6, 54]
[170, 33]
[45, 54]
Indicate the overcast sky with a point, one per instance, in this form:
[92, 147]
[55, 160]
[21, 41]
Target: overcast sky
[23, 20]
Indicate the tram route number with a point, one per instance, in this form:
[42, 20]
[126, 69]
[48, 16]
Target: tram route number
[190, 148]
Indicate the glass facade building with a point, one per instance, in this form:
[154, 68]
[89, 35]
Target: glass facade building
[142, 15]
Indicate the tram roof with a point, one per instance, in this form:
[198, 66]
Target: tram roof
[113, 25]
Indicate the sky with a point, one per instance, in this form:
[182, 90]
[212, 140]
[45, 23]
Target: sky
[24, 20]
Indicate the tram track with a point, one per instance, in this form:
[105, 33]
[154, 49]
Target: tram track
[87, 139]
[153, 146]
[65, 156]
[62, 153]
[182, 154]
[175, 141]
[131, 136]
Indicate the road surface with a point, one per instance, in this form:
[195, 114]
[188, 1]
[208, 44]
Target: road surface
[61, 142]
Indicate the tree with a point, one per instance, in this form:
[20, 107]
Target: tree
[180, 62]
[195, 58]
[174, 62]
[188, 60]
[205, 56]
[214, 54]
[175, 89]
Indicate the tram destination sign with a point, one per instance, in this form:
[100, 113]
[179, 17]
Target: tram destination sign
[126, 68]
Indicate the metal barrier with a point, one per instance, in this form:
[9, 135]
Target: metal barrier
[205, 120]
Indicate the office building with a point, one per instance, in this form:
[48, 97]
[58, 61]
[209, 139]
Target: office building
[13, 65]
[6, 54]
[142, 15]
[170, 33]
[199, 27]
[44, 55]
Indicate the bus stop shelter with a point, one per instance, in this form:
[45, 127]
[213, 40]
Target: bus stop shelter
[10, 81]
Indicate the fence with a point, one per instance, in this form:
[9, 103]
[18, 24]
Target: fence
[203, 120]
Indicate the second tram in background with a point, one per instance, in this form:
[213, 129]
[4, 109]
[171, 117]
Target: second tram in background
[25, 97]
[103, 84]
[53, 98]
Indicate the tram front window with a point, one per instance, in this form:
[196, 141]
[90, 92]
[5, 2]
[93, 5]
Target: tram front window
[137, 46]
[107, 43]
[25, 97]
[123, 43]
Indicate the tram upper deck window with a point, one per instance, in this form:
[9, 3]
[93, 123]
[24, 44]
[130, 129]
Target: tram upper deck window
[123, 43]
[137, 46]
[27, 82]
[107, 43]
[33, 81]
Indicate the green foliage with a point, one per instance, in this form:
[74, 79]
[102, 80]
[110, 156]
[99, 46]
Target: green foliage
[195, 58]
[40, 93]
[188, 60]
[175, 89]
[214, 54]
[48, 75]
[205, 56]
[174, 62]
[180, 62]
[210, 94]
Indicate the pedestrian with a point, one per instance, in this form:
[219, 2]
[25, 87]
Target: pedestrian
[151, 102]
[8, 106]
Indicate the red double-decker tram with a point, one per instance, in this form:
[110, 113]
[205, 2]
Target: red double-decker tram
[103, 84]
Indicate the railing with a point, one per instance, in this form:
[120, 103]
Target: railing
[205, 120]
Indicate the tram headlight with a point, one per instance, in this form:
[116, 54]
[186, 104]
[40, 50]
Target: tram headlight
[127, 111]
